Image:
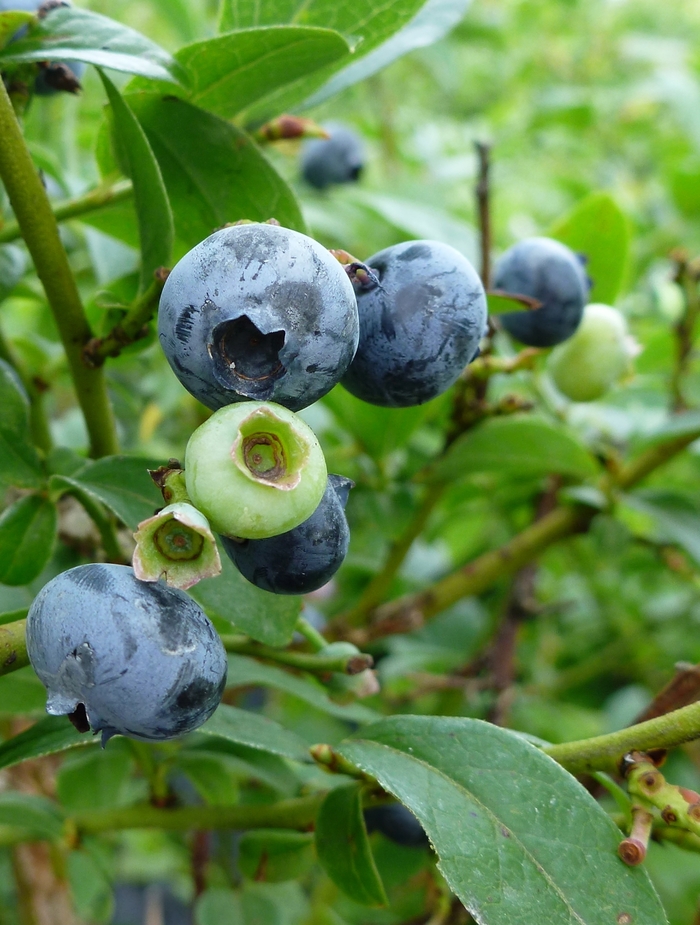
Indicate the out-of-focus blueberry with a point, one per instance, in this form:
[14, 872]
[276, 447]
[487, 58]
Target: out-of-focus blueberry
[258, 312]
[419, 327]
[53, 75]
[552, 273]
[305, 558]
[127, 656]
[396, 823]
[337, 159]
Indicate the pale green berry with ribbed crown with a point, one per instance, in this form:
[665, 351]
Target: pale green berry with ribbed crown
[255, 470]
[598, 354]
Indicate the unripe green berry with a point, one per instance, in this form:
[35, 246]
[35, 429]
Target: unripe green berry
[255, 470]
[585, 366]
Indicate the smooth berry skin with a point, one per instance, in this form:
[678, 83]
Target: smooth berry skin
[419, 327]
[43, 84]
[143, 659]
[303, 559]
[396, 823]
[258, 312]
[334, 160]
[552, 273]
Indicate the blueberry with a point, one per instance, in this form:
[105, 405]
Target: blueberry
[53, 75]
[552, 273]
[337, 159]
[258, 312]
[305, 558]
[125, 656]
[419, 327]
[396, 823]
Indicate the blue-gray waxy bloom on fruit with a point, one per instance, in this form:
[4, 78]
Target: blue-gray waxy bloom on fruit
[419, 327]
[126, 656]
[305, 558]
[340, 158]
[258, 312]
[553, 274]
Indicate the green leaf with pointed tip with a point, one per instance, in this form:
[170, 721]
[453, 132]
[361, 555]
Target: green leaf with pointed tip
[244, 671]
[233, 71]
[269, 618]
[275, 855]
[519, 840]
[122, 483]
[598, 229]
[256, 731]
[155, 218]
[72, 34]
[47, 737]
[523, 446]
[34, 814]
[214, 173]
[27, 534]
[343, 847]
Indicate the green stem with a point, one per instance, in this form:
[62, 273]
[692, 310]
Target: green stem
[40, 232]
[132, 326]
[105, 524]
[311, 635]
[13, 646]
[74, 208]
[297, 813]
[304, 661]
[603, 753]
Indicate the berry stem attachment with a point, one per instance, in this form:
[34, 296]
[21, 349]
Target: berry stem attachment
[633, 849]
[311, 634]
[40, 232]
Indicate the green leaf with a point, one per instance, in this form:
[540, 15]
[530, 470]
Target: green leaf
[343, 847]
[230, 72]
[48, 736]
[378, 430]
[662, 517]
[523, 446]
[217, 906]
[500, 304]
[367, 23]
[12, 263]
[73, 34]
[90, 886]
[95, 779]
[19, 462]
[275, 855]
[269, 618]
[598, 229]
[272, 770]
[22, 694]
[14, 403]
[156, 229]
[519, 840]
[684, 424]
[244, 671]
[122, 483]
[27, 533]
[10, 23]
[34, 814]
[214, 173]
[431, 23]
[256, 731]
[211, 775]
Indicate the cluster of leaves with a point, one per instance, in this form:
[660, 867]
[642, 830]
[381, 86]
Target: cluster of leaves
[453, 499]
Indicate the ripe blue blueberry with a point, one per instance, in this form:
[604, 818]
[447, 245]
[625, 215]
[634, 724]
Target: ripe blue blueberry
[554, 275]
[258, 312]
[305, 558]
[396, 823]
[124, 656]
[52, 75]
[419, 327]
[337, 159]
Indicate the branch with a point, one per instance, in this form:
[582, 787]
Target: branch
[40, 232]
[482, 201]
[13, 646]
[74, 208]
[687, 278]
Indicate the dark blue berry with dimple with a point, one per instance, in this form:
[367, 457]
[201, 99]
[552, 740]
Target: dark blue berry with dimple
[305, 558]
[142, 658]
[552, 273]
[337, 159]
[52, 75]
[258, 312]
[419, 327]
[396, 823]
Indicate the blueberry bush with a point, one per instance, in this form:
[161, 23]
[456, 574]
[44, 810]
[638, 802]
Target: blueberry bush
[349, 462]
